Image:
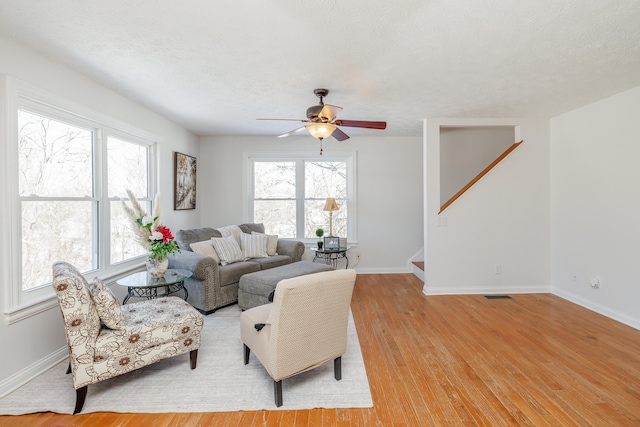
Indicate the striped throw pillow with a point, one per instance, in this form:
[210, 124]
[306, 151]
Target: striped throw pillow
[254, 245]
[227, 249]
[272, 243]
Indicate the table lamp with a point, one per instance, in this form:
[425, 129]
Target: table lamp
[331, 206]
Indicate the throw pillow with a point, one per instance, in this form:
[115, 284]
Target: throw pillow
[205, 248]
[272, 243]
[227, 249]
[107, 305]
[254, 245]
[231, 230]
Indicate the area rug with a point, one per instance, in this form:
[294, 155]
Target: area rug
[220, 383]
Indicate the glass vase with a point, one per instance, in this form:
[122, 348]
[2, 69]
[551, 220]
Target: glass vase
[157, 267]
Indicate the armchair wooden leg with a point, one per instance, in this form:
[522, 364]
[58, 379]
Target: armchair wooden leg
[81, 395]
[193, 357]
[337, 368]
[69, 368]
[277, 390]
[247, 351]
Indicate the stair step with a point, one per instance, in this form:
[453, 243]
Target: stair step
[419, 264]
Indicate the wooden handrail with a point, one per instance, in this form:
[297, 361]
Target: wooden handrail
[479, 176]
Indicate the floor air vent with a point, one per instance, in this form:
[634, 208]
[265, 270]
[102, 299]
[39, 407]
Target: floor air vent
[497, 297]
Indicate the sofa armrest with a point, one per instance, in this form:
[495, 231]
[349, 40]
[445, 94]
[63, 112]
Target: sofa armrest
[293, 248]
[194, 262]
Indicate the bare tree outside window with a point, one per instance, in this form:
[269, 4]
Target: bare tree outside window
[60, 211]
[276, 203]
[55, 162]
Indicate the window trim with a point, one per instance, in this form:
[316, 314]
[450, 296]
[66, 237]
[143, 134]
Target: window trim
[19, 304]
[349, 157]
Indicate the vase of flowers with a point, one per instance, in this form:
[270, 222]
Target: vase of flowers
[151, 235]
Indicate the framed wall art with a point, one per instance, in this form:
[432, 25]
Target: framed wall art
[184, 182]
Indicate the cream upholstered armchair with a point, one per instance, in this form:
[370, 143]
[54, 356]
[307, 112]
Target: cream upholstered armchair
[133, 335]
[305, 327]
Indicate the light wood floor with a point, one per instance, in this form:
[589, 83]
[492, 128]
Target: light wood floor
[535, 360]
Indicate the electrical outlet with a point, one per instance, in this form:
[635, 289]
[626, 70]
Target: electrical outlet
[442, 221]
[497, 269]
[575, 277]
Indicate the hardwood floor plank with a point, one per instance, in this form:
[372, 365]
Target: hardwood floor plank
[456, 360]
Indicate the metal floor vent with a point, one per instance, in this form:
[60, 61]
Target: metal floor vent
[497, 297]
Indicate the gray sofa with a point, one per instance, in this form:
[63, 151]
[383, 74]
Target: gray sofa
[212, 285]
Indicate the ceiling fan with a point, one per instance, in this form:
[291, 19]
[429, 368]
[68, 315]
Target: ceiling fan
[322, 121]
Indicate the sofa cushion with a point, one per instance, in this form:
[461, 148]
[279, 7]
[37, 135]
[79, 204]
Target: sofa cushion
[272, 243]
[254, 245]
[232, 273]
[251, 227]
[272, 261]
[228, 250]
[184, 238]
[231, 231]
[205, 248]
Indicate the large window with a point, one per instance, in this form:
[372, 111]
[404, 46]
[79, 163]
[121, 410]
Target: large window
[62, 182]
[288, 195]
[70, 173]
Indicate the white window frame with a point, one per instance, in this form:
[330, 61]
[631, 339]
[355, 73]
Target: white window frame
[19, 304]
[300, 157]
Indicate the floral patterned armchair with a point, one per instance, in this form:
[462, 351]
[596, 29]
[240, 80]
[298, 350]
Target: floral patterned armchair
[134, 335]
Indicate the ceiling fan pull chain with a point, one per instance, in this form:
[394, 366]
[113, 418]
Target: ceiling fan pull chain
[321, 146]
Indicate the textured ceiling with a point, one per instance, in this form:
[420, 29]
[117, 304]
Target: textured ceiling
[216, 66]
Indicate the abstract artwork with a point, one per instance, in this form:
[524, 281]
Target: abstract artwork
[185, 182]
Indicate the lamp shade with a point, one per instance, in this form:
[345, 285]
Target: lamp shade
[320, 130]
[331, 204]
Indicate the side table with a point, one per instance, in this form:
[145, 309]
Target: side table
[142, 285]
[331, 256]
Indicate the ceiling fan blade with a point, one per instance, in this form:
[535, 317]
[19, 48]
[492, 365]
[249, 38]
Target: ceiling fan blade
[329, 112]
[361, 124]
[339, 135]
[292, 131]
[288, 120]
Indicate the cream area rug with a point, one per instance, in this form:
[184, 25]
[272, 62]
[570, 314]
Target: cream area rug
[220, 383]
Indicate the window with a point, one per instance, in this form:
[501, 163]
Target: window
[288, 194]
[71, 172]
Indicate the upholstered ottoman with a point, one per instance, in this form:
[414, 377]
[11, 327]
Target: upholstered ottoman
[254, 288]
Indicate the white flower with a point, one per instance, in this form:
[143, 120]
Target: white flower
[156, 235]
[146, 220]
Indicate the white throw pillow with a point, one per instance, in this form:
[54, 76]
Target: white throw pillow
[254, 245]
[272, 243]
[227, 249]
[231, 230]
[107, 305]
[205, 248]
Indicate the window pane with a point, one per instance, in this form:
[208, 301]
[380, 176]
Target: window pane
[274, 180]
[127, 168]
[325, 179]
[278, 216]
[55, 158]
[55, 231]
[123, 243]
[315, 217]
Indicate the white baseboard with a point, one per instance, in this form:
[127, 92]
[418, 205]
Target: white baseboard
[472, 290]
[30, 372]
[600, 309]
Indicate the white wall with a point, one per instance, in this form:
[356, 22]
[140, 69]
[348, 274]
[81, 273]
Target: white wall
[595, 206]
[503, 219]
[467, 151]
[389, 190]
[25, 345]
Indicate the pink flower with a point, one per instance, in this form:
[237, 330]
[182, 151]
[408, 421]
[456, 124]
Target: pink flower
[166, 233]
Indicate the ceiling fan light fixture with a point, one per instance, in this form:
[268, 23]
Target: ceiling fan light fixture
[320, 130]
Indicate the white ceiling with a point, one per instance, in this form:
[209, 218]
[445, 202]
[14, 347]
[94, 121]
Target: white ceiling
[216, 66]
